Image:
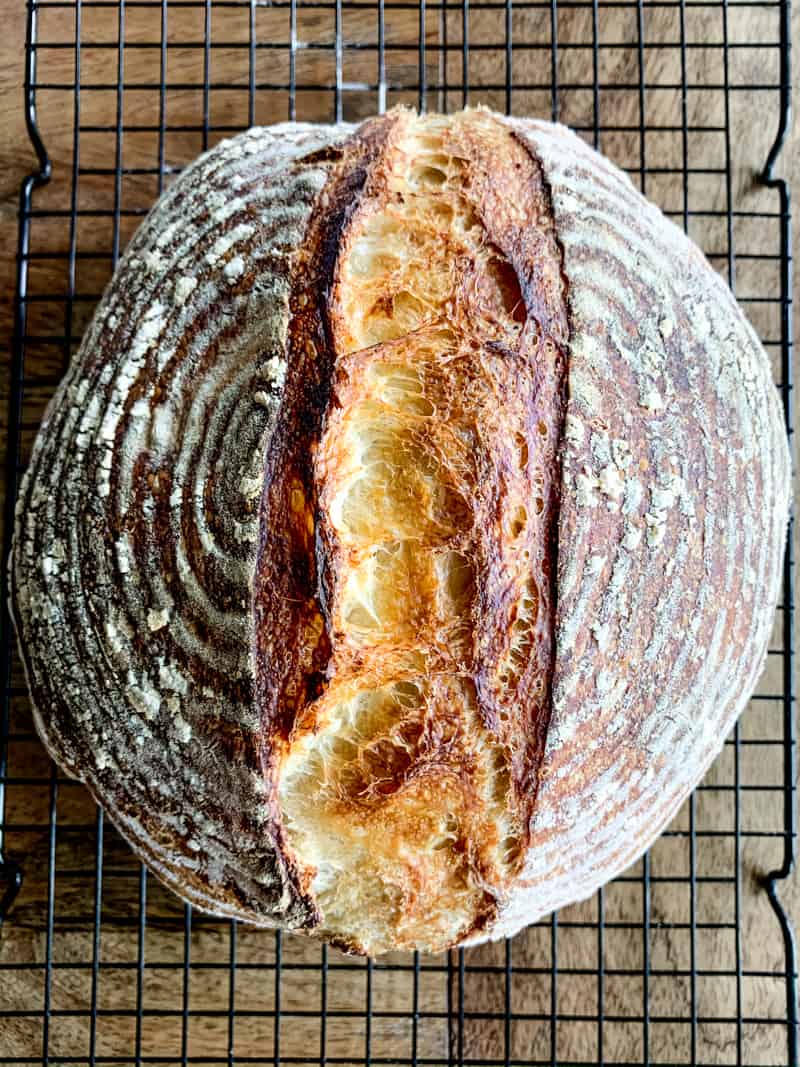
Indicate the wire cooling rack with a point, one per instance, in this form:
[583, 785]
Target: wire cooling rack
[688, 958]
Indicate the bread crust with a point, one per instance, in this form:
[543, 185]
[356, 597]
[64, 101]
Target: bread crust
[136, 524]
[493, 376]
[292, 627]
[675, 498]
[175, 570]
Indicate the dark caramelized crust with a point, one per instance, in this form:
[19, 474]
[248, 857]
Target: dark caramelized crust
[285, 572]
[292, 640]
[404, 598]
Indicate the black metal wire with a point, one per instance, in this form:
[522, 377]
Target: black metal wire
[774, 878]
[187, 974]
[554, 990]
[528, 46]
[232, 998]
[140, 966]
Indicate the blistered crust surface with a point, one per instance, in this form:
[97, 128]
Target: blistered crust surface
[137, 520]
[674, 507]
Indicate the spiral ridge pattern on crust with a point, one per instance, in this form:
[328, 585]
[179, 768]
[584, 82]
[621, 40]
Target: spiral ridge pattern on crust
[137, 525]
[675, 490]
[153, 447]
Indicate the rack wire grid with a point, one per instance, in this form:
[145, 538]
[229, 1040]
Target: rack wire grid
[687, 958]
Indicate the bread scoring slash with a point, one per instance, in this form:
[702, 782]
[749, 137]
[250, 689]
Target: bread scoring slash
[404, 585]
[405, 536]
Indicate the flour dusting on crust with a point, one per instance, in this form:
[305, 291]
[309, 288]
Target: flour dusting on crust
[137, 524]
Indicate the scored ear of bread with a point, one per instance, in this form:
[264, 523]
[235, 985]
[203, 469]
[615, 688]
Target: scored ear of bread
[406, 534]
[409, 779]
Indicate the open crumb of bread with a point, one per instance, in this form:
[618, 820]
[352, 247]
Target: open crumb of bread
[394, 791]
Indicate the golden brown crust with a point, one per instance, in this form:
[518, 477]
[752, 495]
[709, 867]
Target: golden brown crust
[291, 632]
[292, 644]
[456, 414]
[313, 689]
[674, 501]
[506, 186]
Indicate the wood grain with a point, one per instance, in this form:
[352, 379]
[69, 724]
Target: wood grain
[574, 942]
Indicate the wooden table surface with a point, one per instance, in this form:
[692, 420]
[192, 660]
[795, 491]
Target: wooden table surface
[22, 939]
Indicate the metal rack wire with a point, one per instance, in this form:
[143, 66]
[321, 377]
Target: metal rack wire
[679, 961]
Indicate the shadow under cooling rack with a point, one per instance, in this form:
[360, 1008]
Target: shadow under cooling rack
[689, 957]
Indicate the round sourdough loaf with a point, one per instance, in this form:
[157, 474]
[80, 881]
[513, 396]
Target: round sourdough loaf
[405, 537]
